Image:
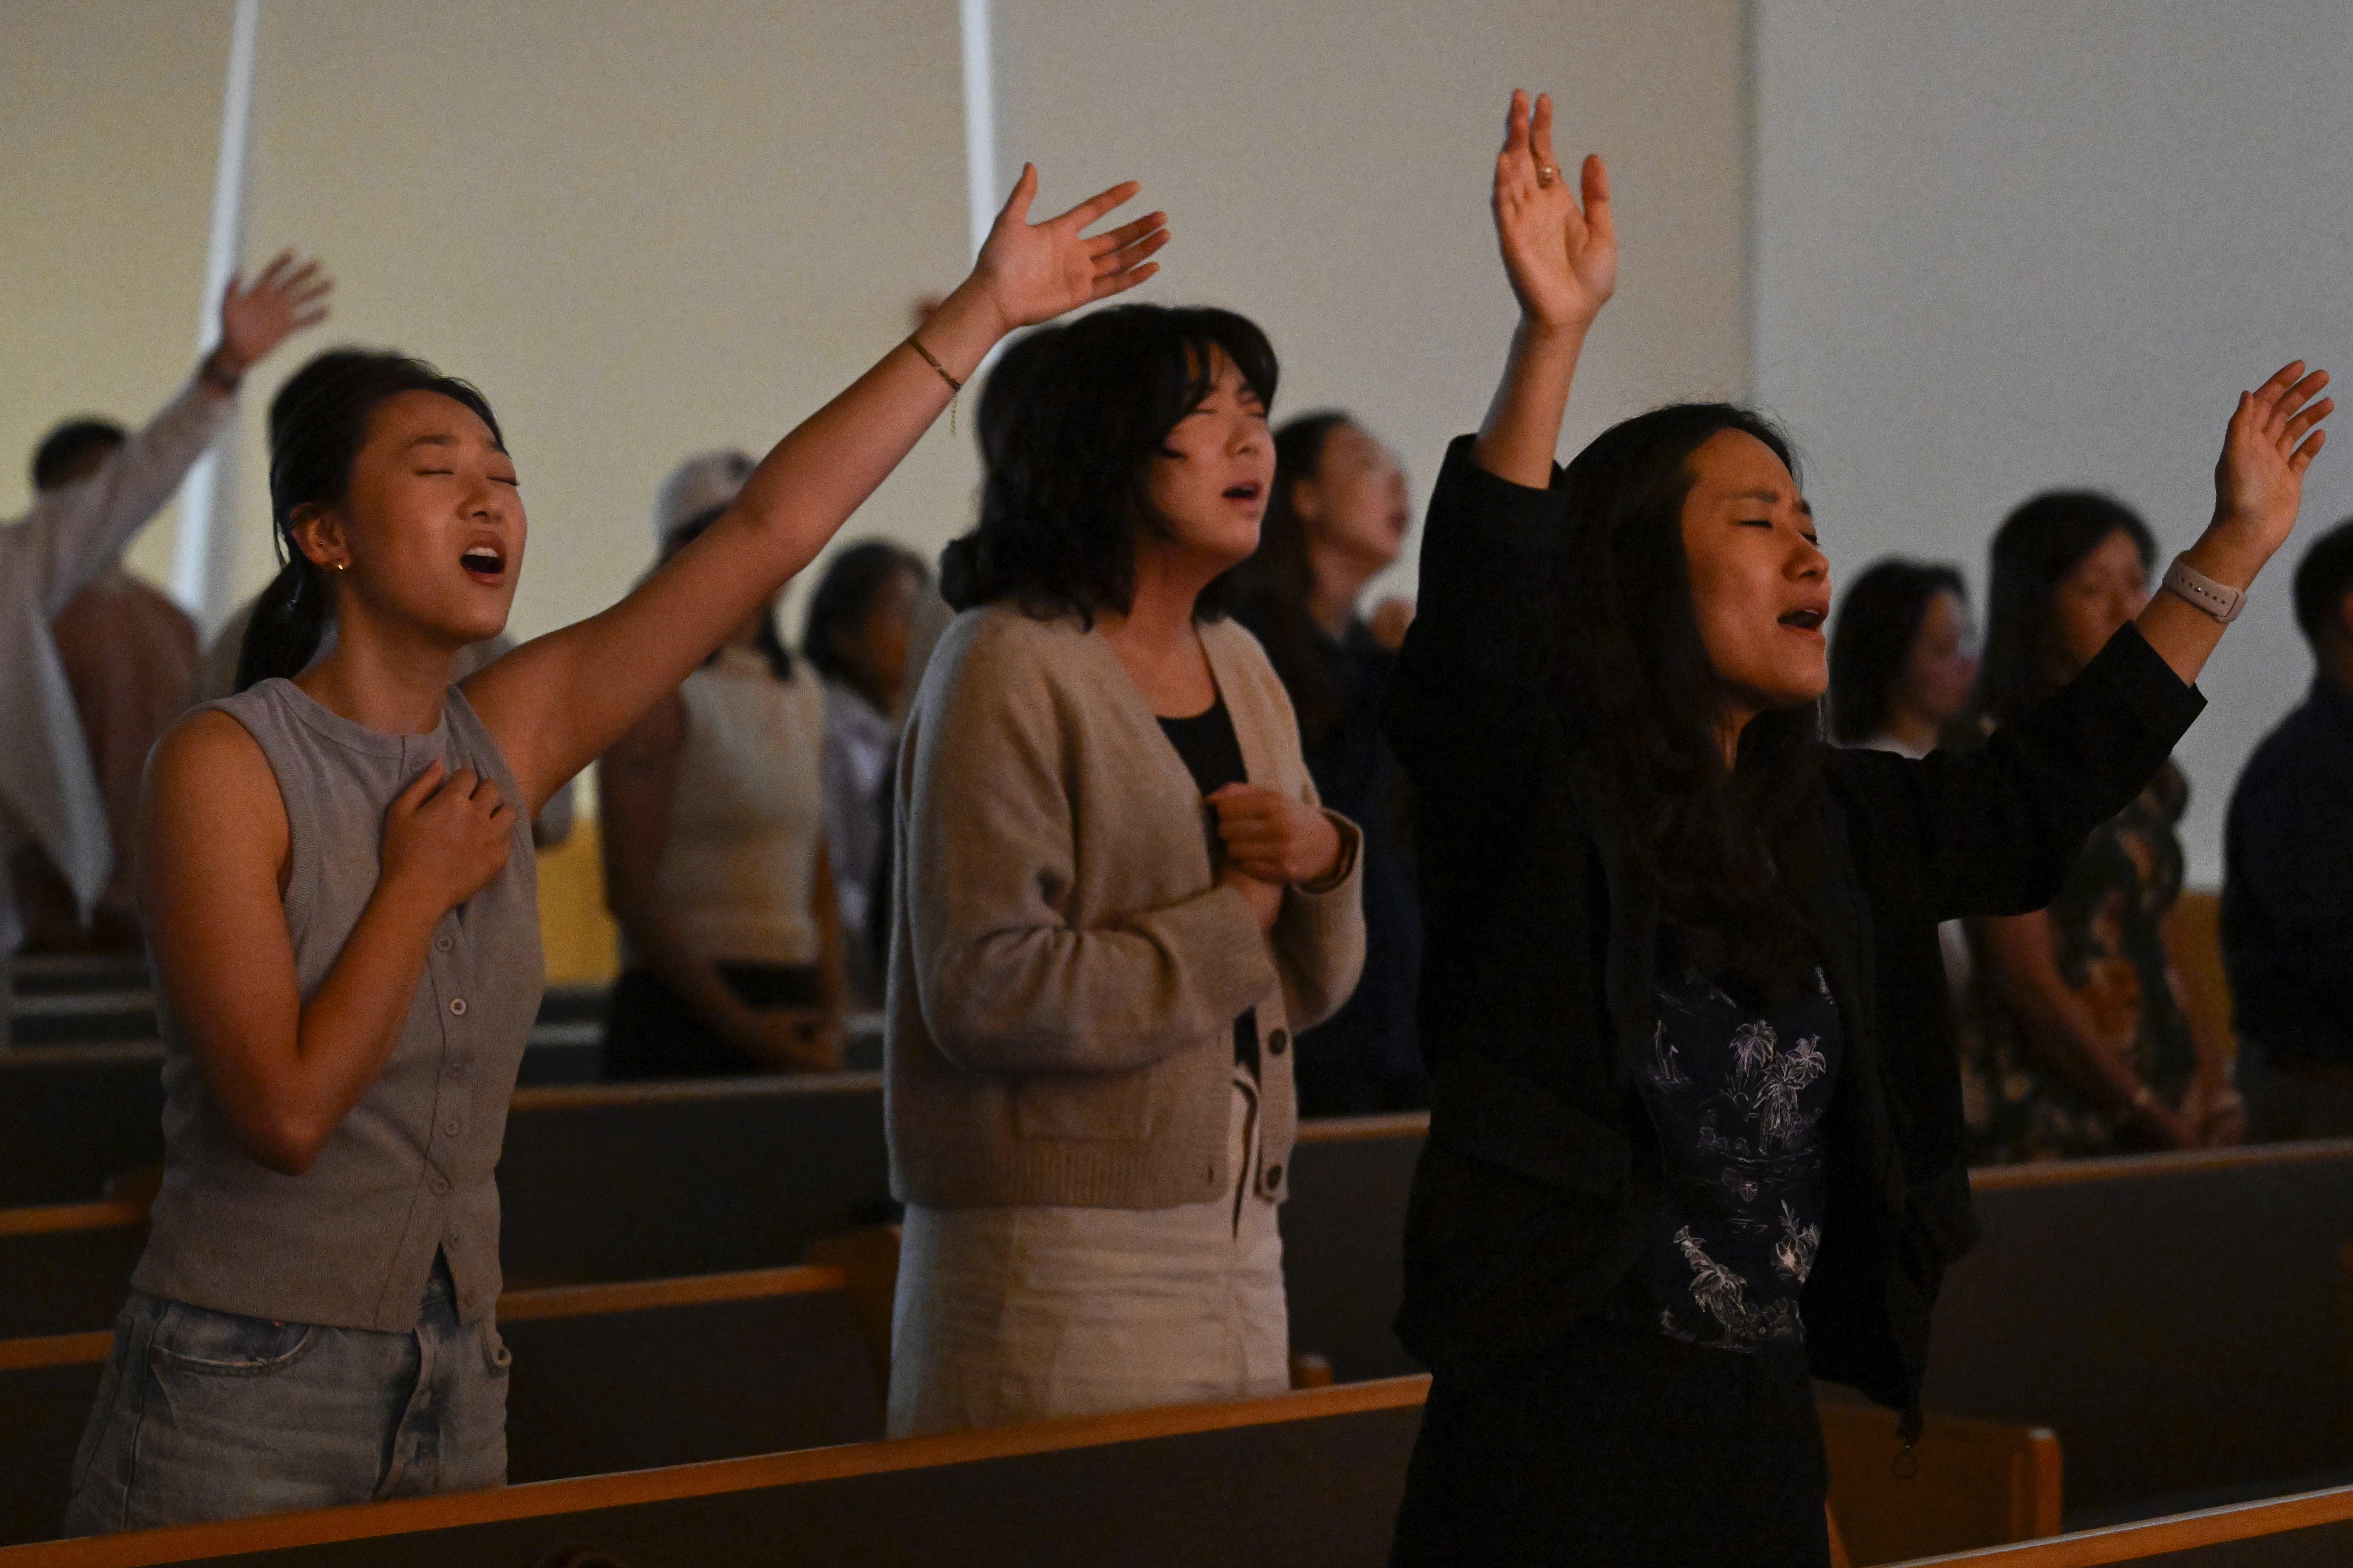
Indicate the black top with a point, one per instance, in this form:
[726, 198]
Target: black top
[1737, 1095]
[2287, 887]
[1364, 1058]
[1541, 933]
[1212, 753]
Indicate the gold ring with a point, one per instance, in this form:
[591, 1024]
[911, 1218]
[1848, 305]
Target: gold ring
[1546, 173]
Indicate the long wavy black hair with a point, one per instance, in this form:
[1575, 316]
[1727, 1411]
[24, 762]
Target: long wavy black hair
[1630, 663]
[1068, 424]
[2038, 544]
[318, 423]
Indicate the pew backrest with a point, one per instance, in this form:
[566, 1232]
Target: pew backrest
[2173, 1316]
[1965, 1484]
[2299, 1531]
[1311, 1477]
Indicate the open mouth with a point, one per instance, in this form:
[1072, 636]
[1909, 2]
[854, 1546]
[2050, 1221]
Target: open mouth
[483, 564]
[1803, 620]
[1249, 493]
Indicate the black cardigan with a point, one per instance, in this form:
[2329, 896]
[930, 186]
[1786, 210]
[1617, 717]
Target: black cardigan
[1542, 1169]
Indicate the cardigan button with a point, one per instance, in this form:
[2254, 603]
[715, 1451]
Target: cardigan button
[1277, 1043]
[458, 1005]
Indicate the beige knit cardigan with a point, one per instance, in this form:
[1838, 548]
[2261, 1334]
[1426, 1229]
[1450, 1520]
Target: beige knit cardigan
[1065, 973]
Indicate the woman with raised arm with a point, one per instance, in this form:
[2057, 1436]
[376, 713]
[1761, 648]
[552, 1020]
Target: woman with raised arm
[337, 880]
[1696, 1126]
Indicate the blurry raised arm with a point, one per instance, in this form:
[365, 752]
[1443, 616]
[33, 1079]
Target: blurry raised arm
[1562, 259]
[76, 531]
[2272, 439]
[559, 701]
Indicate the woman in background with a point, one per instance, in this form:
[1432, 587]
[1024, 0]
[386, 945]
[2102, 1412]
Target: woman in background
[1902, 664]
[2077, 1041]
[861, 619]
[1337, 516]
[715, 866]
[1117, 897]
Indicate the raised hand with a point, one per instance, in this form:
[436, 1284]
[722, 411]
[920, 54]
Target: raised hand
[2273, 437]
[1561, 257]
[290, 295]
[1034, 272]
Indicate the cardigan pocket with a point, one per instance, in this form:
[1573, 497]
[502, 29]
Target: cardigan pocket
[1116, 1107]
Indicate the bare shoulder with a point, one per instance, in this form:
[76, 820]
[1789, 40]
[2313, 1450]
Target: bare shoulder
[208, 776]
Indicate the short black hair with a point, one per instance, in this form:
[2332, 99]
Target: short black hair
[1067, 442]
[63, 449]
[844, 596]
[2323, 578]
[1879, 619]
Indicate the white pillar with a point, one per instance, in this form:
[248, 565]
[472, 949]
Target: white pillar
[982, 195]
[204, 556]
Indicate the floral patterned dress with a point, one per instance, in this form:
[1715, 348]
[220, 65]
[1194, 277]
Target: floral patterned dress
[2108, 923]
[1737, 1095]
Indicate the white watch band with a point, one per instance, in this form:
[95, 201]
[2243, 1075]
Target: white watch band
[2187, 581]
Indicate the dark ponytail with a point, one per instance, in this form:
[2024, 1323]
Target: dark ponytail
[318, 423]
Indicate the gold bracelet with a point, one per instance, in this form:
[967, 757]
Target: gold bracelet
[955, 387]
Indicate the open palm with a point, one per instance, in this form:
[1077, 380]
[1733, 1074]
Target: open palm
[2272, 439]
[1034, 272]
[290, 295]
[1561, 255]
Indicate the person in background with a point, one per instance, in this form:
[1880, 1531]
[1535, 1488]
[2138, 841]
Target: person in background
[861, 619]
[1116, 897]
[715, 865]
[1903, 665]
[2076, 1040]
[1337, 516]
[128, 654]
[2287, 881]
[50, 799]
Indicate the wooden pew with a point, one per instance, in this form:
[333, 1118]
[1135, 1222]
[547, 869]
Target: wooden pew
[71, 1116]
[65, 1266]
[1967, 1484]
[1343, 1240]
[2304, 1530]
[606, 1378]
[1300, 1477]
[2173, 1316]
[646, 1181]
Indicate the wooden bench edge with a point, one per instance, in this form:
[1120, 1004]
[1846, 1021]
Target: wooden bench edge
[1351, 1129]
[55, 1350]
[577, 1096]
[681, 1290]
[582, 1494]
[37, 1218]
[2150, 1536]
[2179, 1162]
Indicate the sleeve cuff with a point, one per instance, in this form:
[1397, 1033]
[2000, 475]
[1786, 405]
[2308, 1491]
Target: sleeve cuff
[1497, 509]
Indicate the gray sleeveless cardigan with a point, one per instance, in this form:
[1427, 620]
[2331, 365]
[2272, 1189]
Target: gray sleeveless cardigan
[350, 1242]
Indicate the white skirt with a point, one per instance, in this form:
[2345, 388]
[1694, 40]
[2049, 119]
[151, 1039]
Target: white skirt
[1013, 1314]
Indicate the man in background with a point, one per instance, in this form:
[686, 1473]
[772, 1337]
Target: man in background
[129, 657]
[2287, 884]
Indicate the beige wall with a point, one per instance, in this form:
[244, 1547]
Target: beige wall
[1325, 171]
[2013, 246]
[110, 118]
[646, 229]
